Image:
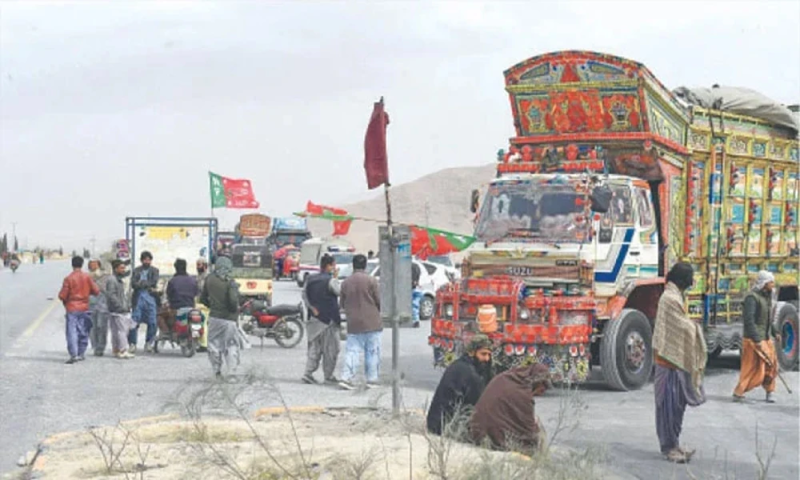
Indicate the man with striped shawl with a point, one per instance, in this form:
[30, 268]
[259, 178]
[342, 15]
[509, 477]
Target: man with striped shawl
[221, 295]
[680, 355]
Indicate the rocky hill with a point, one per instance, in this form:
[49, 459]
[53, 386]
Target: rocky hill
[439, 200]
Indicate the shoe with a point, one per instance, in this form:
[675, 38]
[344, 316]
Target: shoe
[148, 347]
[125, 355]
[218, 375]
[98, 353]
[309, 379]
[738, 398]
[81, 358]
[374, 384]
[131, 348]
[416, 325]
[72, 360]
[687, 452]
[345, 385]
[332, 381]
[676, 456]
[770, 398]
[202, 349]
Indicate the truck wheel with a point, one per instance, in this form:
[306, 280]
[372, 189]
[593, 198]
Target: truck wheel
[787, 326]
[426, 308]
[625, 351]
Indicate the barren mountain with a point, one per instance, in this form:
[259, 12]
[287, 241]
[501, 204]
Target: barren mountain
[439, 200]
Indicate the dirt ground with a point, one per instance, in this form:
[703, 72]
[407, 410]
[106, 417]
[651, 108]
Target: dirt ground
[323, 444]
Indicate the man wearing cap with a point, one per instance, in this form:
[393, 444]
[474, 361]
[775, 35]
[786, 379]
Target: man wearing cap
[461, 386]
[759, 364]
[202, 275]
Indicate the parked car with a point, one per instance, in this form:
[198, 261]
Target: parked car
[432, 277]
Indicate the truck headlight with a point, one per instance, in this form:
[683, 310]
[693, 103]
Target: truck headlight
[448, 310]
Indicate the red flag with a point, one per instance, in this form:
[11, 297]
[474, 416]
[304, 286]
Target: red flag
[341, 220]
[376, 160]
[231, 193]
[427, 241]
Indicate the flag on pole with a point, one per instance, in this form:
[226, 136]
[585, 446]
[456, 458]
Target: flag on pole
[430, 241]
[376, 160]
[231, 193]
[340, 218]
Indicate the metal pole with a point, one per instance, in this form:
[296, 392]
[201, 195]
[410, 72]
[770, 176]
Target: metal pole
[393, 307]
[14, 236]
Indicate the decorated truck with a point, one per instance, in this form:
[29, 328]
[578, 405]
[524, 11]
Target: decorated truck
[252, 257]
[289, 231]
[610, 180]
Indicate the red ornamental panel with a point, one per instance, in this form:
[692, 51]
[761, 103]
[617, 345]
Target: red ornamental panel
[576, 111]
[620, 112]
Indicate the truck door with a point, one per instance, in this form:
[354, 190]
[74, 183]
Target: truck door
[615, 232]
[644, 247]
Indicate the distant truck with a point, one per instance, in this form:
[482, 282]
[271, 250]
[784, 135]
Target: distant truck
[289, 231]
[252, 257]
[312, 250]
[168, 238]
[610, 181]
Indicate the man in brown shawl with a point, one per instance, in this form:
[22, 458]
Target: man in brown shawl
[505, 414]
[680, 355]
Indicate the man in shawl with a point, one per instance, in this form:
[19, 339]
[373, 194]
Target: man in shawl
[461, 385]
[759, 364]
[504, 415]
[221, 296]
[98, 307]
[321, 297]
[680, 355]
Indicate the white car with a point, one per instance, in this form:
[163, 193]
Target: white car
[432, 277]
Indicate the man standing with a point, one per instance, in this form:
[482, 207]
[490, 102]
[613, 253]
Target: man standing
[202, 272]
[145, 301]
[680, 356]
[461, 385]
[505, 414]
[360, 298]
[759, 362]
[99, 310]
[416, 294]
[320, 295]
[221, 296]
[74, 294]
[119, 309]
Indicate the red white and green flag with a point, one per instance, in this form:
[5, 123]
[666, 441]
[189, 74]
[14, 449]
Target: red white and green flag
[340, 218]
[430, 241]
[231, 192]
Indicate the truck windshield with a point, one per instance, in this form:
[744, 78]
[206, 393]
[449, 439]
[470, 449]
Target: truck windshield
[520, 210]
[296, 239]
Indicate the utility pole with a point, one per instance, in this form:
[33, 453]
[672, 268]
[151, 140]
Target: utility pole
[14, 234]
[93, 240]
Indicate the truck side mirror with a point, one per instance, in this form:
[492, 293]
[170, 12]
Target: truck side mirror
[474, 201]
[601, 198]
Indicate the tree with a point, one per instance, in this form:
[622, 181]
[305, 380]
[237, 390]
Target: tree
[4, 243]
[86, 253]
[61, 251]
[16, 244]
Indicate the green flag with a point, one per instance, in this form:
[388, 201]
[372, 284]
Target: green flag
[217, 191]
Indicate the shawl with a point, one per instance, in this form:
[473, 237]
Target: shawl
[505, 410]
[677, 338]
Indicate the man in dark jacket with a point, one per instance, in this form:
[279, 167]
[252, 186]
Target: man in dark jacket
[320, 295]
[461, 385]
[221, 296]
[181, 289]
[759, 363]
[360, 298]
[145, 301]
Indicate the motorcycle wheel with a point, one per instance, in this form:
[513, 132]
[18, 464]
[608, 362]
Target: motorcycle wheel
[288, 333]
[188, 350]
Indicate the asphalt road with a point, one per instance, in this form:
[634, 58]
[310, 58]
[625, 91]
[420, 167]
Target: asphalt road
[39, 395]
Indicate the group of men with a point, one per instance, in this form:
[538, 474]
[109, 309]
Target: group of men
[99, 304]
[471, 404]
[359, 296]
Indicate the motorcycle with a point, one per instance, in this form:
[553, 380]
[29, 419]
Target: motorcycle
[284, 323]
[183, 328]
[14, 264]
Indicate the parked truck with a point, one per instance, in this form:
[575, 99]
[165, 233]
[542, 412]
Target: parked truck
[289, 231]
[252, 258]
[610, 180]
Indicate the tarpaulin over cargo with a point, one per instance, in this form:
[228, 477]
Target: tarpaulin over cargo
[742, 101]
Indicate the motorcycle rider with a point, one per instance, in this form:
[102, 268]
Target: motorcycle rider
[181, 292]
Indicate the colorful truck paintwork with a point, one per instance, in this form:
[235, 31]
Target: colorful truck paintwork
[574, 288]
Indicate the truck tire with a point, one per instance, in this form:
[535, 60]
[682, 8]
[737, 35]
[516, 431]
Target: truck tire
[786, 324]
[426, 307]
[625, 351]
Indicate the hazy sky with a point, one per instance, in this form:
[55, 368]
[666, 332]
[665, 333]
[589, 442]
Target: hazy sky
[114, 109]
